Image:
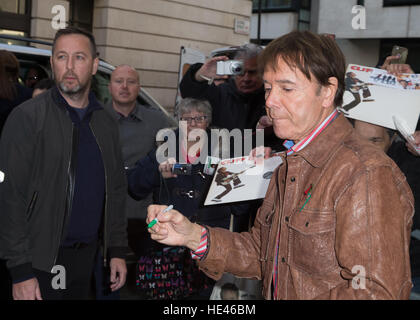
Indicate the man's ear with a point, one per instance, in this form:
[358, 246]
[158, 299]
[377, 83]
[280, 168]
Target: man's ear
[95, 65]
[329, 92]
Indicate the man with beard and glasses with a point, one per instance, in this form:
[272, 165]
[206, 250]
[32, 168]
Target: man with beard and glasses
[63, 195]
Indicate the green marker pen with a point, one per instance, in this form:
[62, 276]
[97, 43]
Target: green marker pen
[155, 220]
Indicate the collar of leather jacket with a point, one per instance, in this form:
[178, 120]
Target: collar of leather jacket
[320, 149]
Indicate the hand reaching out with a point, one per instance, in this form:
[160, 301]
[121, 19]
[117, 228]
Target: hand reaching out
[396, 69]
[173, 228]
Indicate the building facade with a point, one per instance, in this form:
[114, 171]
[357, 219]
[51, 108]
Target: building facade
[366, 36]
[147, 34]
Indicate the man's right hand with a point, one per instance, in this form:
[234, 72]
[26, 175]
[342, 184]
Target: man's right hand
[173, 228]
[27, 290]
[208, 69]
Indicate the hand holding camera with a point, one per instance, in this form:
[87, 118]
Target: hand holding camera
[208, 71]
[230, 67]
[395, 63]
[171, 169]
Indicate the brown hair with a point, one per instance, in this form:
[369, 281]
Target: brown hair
[312, 54]
[9, 74]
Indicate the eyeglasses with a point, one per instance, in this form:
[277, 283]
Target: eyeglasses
[196, 119]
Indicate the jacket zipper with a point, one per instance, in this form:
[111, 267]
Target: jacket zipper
[69, 201]
[31, 206]
[106, 197]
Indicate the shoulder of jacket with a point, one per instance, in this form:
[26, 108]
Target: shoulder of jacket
[33, 105]
[35, 109]
[363, 154]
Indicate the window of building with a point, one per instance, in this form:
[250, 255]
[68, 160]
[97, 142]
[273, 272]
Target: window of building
[13, 6]
[275, 5]
[302, 7]
[304, 15]
[280, 5]
[81, 14]
[15, 19]
[391, 3]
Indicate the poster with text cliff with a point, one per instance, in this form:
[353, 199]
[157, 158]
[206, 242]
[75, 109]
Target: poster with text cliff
[375, 96]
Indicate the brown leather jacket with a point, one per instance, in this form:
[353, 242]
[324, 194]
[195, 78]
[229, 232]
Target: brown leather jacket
[358, 219]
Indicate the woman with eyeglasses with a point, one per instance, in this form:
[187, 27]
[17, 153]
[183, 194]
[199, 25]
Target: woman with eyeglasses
[183, 181]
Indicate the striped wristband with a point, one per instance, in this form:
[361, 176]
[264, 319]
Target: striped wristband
[202, 248]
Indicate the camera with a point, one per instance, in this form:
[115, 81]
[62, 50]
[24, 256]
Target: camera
[230, 67]
[182, 169]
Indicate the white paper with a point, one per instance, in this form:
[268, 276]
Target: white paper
[383, 96]
[247, 179]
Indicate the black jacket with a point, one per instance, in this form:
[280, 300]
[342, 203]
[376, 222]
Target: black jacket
[231, 109]
[36, 151]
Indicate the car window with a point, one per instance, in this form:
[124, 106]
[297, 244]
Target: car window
[27, 62]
